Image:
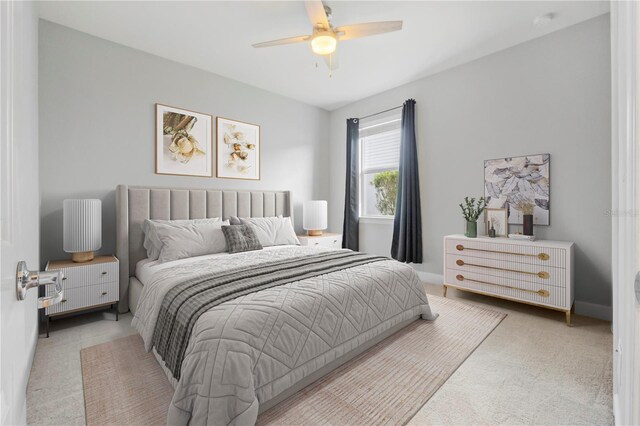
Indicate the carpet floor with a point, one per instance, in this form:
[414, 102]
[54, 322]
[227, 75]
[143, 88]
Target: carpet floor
[387, 384]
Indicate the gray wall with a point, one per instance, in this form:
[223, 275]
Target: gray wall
[551, 95]
[97, 128]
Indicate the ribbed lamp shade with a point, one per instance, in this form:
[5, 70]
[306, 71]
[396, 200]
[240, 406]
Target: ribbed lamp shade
[82, 221]
[314, 216]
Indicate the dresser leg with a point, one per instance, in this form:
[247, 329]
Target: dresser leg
[48, 321]
[444, 291]
[568, 314]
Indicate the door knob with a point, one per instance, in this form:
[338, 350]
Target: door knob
[26, 279]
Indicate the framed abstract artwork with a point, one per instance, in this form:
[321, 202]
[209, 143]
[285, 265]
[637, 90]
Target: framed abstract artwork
[184, 142]
[519, 184]
[498, 219]
[238, 149]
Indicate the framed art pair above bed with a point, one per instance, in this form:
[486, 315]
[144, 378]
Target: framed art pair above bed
[184, 145]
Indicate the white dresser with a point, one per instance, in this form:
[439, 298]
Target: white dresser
[85, 286]
[538, 273]
[324, 240]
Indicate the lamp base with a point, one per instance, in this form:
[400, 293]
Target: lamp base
[82, 256]
[314, 232]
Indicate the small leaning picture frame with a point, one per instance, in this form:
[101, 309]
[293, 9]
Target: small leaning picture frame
[499, 219]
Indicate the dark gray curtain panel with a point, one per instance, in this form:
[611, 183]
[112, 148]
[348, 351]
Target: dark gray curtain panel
[350, 232]
[406, 245]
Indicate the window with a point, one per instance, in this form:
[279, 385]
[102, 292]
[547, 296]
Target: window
[379, 161]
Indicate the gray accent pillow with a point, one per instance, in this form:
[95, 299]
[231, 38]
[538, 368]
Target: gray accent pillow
[241, 238]
[233, 220]
[152, 242]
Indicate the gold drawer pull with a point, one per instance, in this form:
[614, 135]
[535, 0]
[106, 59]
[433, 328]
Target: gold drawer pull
[104, 273]
[541, 292]
[104, 293]
[64, 278]
[63, 300]
[541, 274]
[541, 256]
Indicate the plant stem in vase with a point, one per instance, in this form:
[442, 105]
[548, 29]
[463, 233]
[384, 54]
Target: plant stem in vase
[471, 210]
[472, 230]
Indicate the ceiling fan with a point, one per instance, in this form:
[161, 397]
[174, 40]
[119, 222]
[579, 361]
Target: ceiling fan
[324, 38]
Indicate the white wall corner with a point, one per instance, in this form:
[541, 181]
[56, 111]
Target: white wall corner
[593, 310]
[430, 278]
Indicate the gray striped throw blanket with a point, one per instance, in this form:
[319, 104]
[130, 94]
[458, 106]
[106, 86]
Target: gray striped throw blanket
[184, 303]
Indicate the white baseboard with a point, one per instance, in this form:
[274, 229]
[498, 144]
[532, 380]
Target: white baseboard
[593, 310]
[430, 278]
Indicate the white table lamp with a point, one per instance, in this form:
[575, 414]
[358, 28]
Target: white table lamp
[82, 223]
[314, 217]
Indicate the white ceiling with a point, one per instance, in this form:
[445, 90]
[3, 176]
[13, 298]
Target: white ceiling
[217, 37]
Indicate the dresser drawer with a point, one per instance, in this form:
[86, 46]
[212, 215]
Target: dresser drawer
[517, 290]
[528, 254]
[86, 275]
[537, 274]
[84, 297]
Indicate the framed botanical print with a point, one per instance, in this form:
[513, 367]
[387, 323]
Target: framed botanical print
[184, 142]
[519, 184]
[498, 219]
[238, 149]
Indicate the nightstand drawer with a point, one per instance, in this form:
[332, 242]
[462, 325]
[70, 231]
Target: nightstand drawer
[85, 297]
[333, 241]
[87, 275]
[327, 242]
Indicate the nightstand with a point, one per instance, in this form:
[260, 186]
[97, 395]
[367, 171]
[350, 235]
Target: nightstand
[86, 285]
[324, 240]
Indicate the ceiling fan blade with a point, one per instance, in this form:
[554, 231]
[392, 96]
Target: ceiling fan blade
[331, 61]
[289, 40]
[348, 32]
[317, 15]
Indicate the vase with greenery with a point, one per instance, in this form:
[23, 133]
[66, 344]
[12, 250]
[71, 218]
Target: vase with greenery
[471, 210]
[386, 185]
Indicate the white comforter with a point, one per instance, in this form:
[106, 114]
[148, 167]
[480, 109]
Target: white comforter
[252, 348]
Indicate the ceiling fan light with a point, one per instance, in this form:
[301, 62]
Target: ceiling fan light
[324, 44]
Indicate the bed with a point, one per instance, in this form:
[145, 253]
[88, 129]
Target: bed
[309, 310]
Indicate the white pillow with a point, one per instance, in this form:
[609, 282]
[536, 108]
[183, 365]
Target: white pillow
[273, 231]
[152, 242]
[189, 240]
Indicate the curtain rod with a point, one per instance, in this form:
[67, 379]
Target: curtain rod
[381, 112]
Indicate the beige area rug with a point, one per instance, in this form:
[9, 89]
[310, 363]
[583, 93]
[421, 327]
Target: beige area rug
[387, 384]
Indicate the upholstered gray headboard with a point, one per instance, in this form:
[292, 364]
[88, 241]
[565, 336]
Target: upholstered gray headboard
[134, 204]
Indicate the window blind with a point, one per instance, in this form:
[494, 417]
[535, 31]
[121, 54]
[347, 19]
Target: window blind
[380, 141]
[381, 150]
